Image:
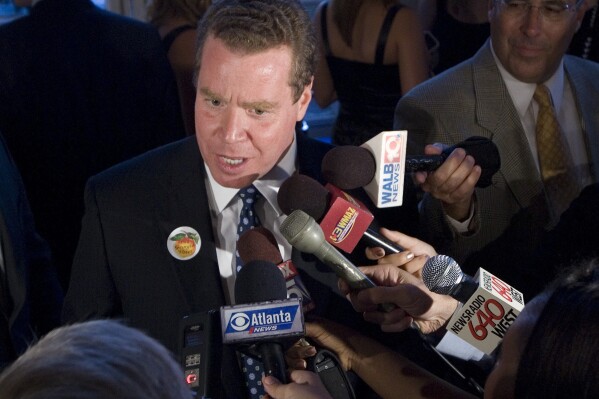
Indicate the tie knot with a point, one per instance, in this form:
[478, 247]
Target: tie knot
[542, 96]
[249, 195]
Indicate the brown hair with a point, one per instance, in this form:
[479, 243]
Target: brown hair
[252, 26]
[560, 357]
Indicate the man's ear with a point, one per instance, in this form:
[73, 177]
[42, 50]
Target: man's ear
[304, 100]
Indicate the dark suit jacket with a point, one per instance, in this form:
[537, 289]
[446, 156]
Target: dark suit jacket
[34, 295]
[575, 238]
[122, 266]
[81, 89]
[472, 100]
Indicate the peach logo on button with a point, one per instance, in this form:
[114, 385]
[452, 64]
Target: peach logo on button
[184, 243]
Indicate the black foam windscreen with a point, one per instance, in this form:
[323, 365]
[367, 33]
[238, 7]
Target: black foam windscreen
[303, 192]
[348, 167]
[485, 153]
[259, 281]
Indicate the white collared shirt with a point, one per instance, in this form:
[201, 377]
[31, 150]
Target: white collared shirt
[225, 207]
[564, 104]
[565, 107]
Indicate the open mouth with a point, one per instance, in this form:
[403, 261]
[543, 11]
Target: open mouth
[232, 161]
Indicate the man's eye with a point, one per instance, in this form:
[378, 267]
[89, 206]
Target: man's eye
[554, 8]
[517, 4]
[215, 103]
[259, 111]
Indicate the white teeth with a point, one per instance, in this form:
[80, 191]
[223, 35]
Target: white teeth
[231, 161]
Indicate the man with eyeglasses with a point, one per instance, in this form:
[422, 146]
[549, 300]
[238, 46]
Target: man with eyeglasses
[491, 95]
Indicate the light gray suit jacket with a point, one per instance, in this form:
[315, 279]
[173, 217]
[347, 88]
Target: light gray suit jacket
[471, 99]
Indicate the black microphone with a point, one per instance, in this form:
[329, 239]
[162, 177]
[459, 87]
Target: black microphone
[260, 244]
[264, 323]
[300, 192]
[362, 163]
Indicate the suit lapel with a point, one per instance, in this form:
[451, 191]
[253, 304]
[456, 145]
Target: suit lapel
[496, 113]
[9, 226]
[185, 204]
[586, 104]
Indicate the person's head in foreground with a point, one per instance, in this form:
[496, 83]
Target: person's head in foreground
[101, 359]
[551, 349]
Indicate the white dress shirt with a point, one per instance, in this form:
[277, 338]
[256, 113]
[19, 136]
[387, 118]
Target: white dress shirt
[565, 108]
[564, 104]
[225, 207]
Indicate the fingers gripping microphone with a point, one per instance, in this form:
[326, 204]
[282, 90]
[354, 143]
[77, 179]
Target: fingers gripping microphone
[369, 162]
[264, 322]
[344, 220]
[483, 150]
[442, 275]
[490, 305]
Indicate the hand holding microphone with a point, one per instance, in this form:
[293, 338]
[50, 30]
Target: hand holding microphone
[411, 259]
[413, 302]
[302, 231]
[490, 305]
[379, 165]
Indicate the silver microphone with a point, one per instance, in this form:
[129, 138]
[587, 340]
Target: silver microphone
[302, 231]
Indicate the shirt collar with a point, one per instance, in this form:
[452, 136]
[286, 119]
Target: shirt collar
[268, 185]
[522, 93]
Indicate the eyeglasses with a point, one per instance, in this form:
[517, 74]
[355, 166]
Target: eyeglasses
[554, 11]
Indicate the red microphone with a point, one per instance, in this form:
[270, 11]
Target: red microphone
[343, 219]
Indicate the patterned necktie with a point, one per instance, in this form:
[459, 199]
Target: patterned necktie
[247, 217]
[252, 368]
[555, 160]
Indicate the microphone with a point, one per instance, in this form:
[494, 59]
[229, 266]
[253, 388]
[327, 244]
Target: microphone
[490, 305]
[260, 244]
[344, 220]
[264, 322]
[380, 164]
[302, 231]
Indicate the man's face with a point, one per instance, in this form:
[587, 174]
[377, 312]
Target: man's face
[530, 46]
[244, 112]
